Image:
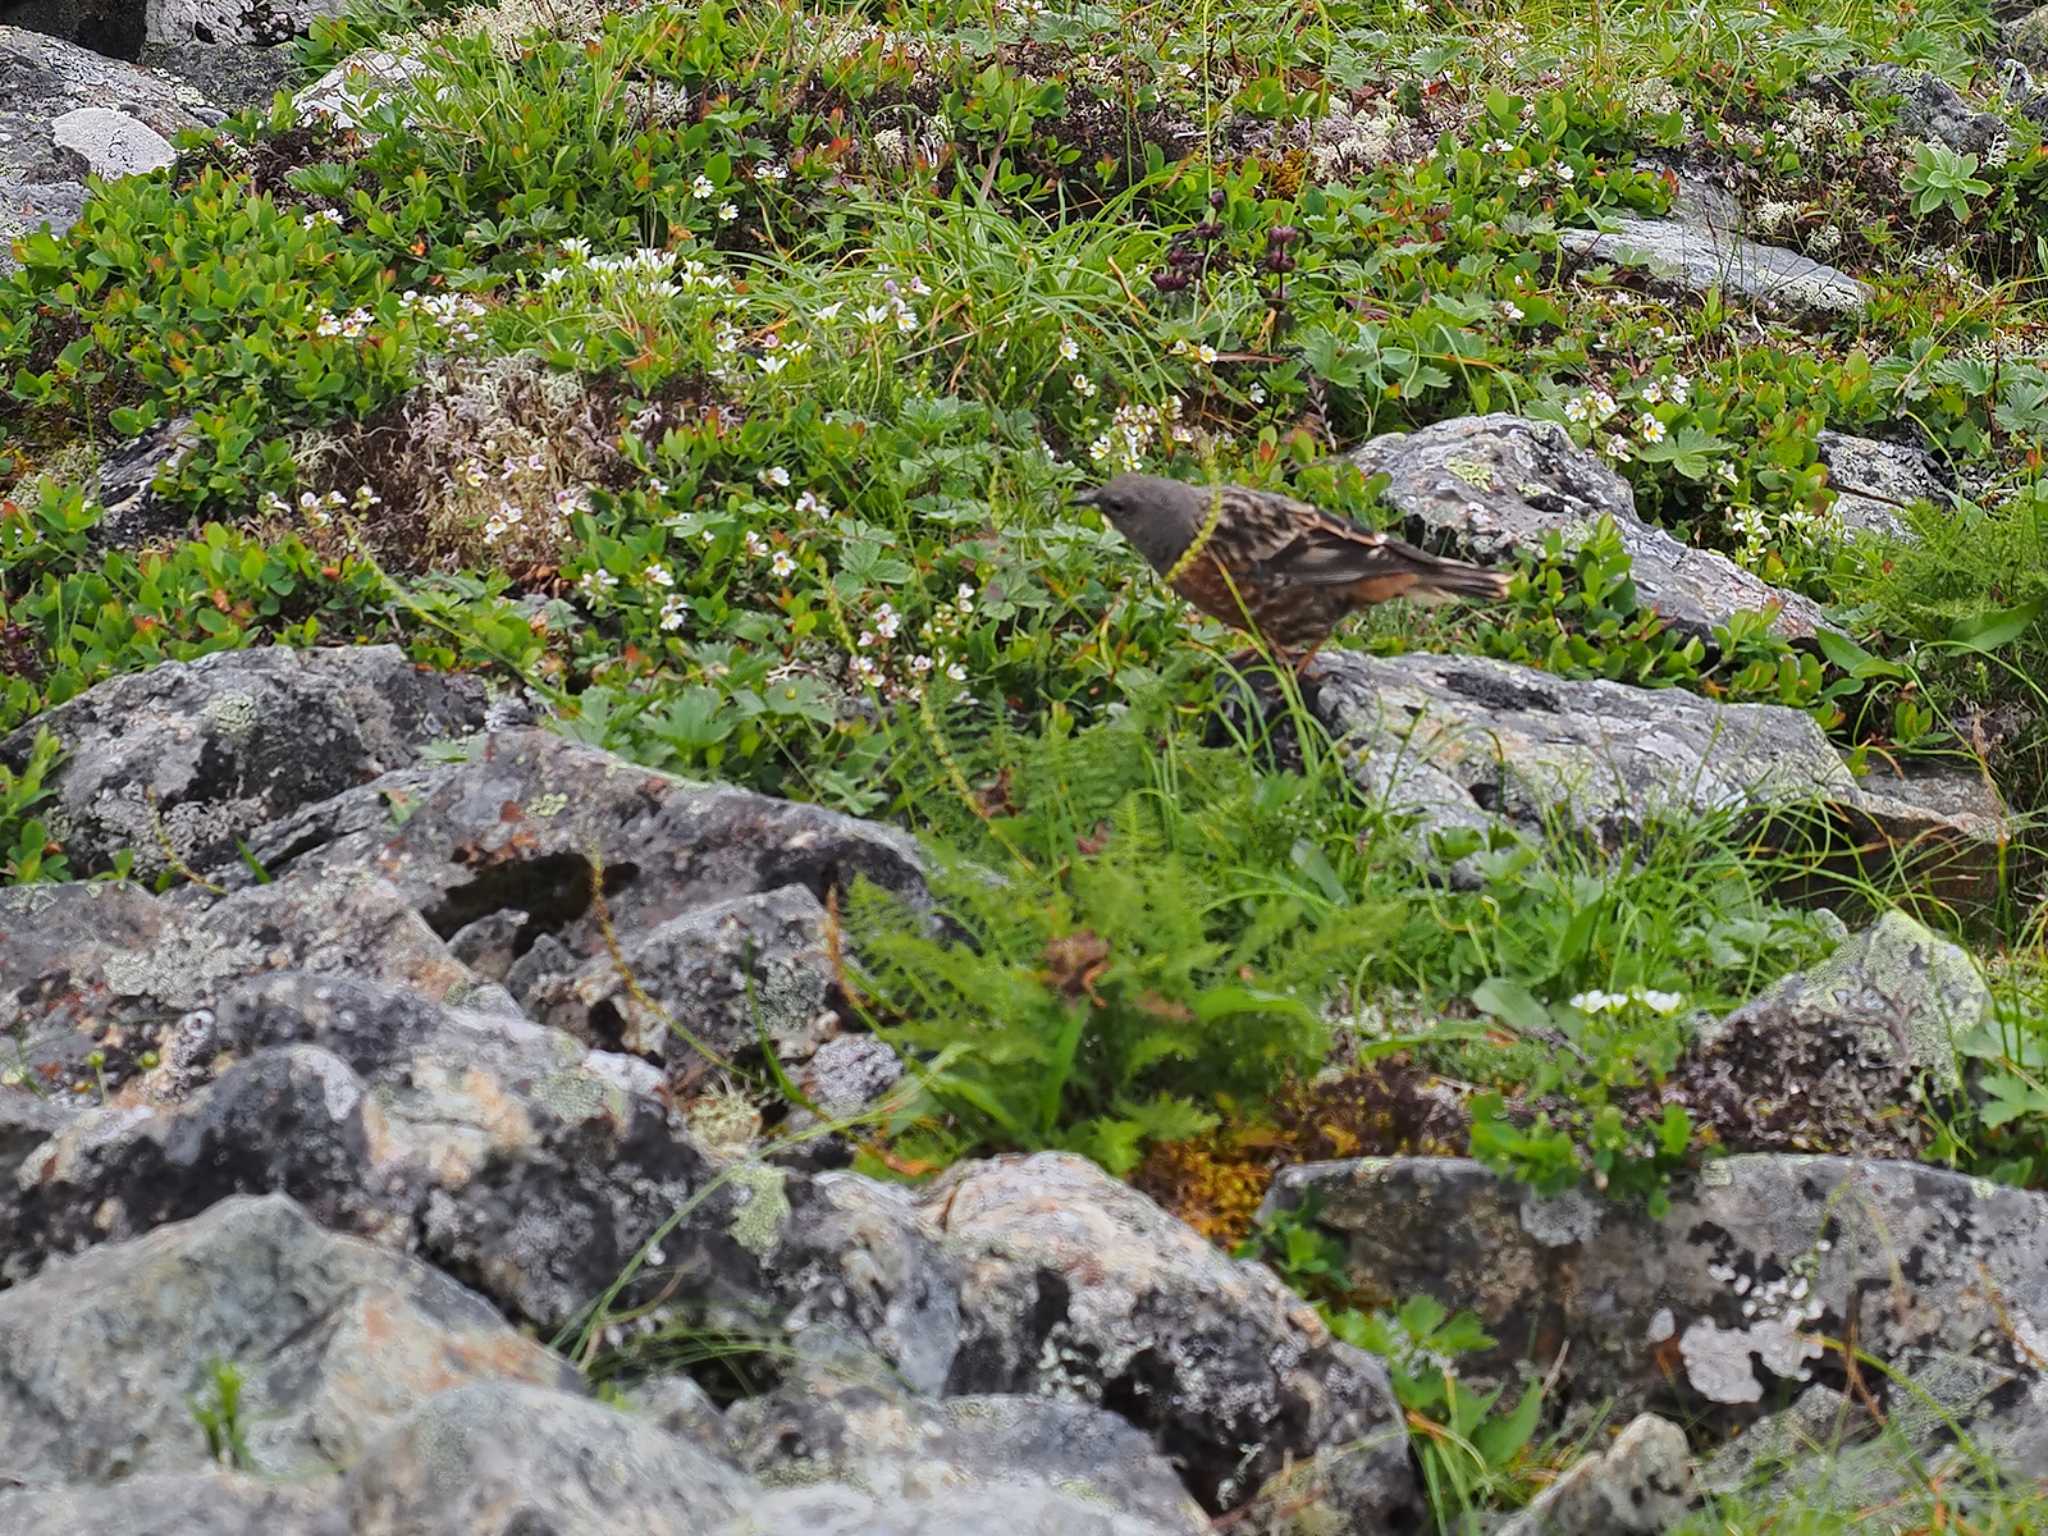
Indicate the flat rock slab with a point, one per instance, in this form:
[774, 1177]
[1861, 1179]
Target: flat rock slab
[1492, 487]
[1724, 1304]
[1473, 744]
[1695, 257]
[111, 144]
[1875, 482]
[101, 1356]
[233, 21]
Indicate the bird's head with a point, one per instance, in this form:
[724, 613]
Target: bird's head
[1158, 516]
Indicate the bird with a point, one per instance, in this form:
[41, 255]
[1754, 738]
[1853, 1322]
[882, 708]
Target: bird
[1281, 569]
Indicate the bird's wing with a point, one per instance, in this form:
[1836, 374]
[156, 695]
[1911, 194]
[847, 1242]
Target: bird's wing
[1302, 544]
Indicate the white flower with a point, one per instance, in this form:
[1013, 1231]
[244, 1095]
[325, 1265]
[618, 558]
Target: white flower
[920, 665]
[659, 574]
[776, 476]
[782, 565]
[956, 671]
[1651, 391]
[887, 622]
[673, 609]
[865, 670]
[1603, 405]
[875, 314]
[1257, 394]
[1651, 428]
[771, 170]
[1526, 178]
[811, 504]
[1575, 408]
[576, 247]
[1510, 310]
[727, 212]
[1205, 354]
[1681, 388]
[702, 187]
[1069, 349]
[1598, 1001]
[597, 583]
[866, 641]
[1566, 174]
[1660, 1002]
[831, 311]
[963, 598]
[773, 365]
[1083, 385]
[757, 547]
[906, 318]
[552, 276]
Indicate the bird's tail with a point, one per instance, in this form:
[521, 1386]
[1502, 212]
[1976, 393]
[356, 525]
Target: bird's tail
[1441, 579]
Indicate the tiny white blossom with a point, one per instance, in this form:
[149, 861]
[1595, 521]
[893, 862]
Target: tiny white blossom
[1566, 174]
[1651, 428]
[702, 187]
[659, 574]
[776, 476]
[1660, 1002]
[1069, 349]
[727, 212]
[757, 547]
[1205, 354]
[1575, 408]
[963, 598]
[1510, 310]
[1083, 385]
[831, 311]
[782, 565]
[1257, 394]
[1651, 391]
[673, 609]
[956, 671]
[773, 365]
[811, 504]
[887, 622]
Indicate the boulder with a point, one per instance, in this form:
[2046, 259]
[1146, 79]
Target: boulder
[1838, 1058]
[177, 764]
[112, 29]
[834, 1426]
[1492, 487]
[1720, 1308]
[493, 1458]
[233, 21]
[2027, 37]
[102, 1356]
[1075, 1285]
[168, 1504]
[1930, 108]
[1470, 745]
[66, 113]
[232, 76]
[1642, 1485]
[1874, 482]
[1693, 258]
[839, 1511]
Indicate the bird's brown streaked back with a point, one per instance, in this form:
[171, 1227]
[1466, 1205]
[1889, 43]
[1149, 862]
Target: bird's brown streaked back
[1282, 567]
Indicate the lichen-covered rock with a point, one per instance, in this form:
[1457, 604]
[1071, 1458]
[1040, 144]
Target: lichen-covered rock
[45, 79]
[102, 1355]
[233, 21]
[491, 1459]
[1642, 1485]
[1930, 108]
[1075, 1285]
[1836, 1059]
[347, 92]
[2027, 37]
[231, 76]
[1693, 258]
[1874, 482]
[1492, 487]
[103, 977]
[1468, 742]
[837, 1511]
[720, 980]
[833, 1426]
[168, 1504]
[178, 763]
[1721, 1306]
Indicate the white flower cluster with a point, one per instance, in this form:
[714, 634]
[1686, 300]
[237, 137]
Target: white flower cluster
[1660, 1003]
[1133, 429]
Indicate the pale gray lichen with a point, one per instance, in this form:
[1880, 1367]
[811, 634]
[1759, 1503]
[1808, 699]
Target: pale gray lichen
[763, 1207]
[233, 713]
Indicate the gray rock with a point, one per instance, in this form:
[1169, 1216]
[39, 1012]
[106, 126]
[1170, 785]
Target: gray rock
[125, 485]
[345, 94]
[706, 987]
[1721, 1304]
[2027, 37]
[196, 755]
[1832, 1059]
[824, 1426]
[167, 1504]
[111, 144]
[45, 79]
[111, 28]
[1875, 481]
[233, 21]
[1495, 743]
[490, 1459]
[101, 1356]
[1075, 1285]
[1696, 257]
[233, 76]
[1642, 1485]
[835, 1511]
[1491, 487]
[678, 1406]
[1930, 108]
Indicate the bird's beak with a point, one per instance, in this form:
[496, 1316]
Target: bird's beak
[1087, 498]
